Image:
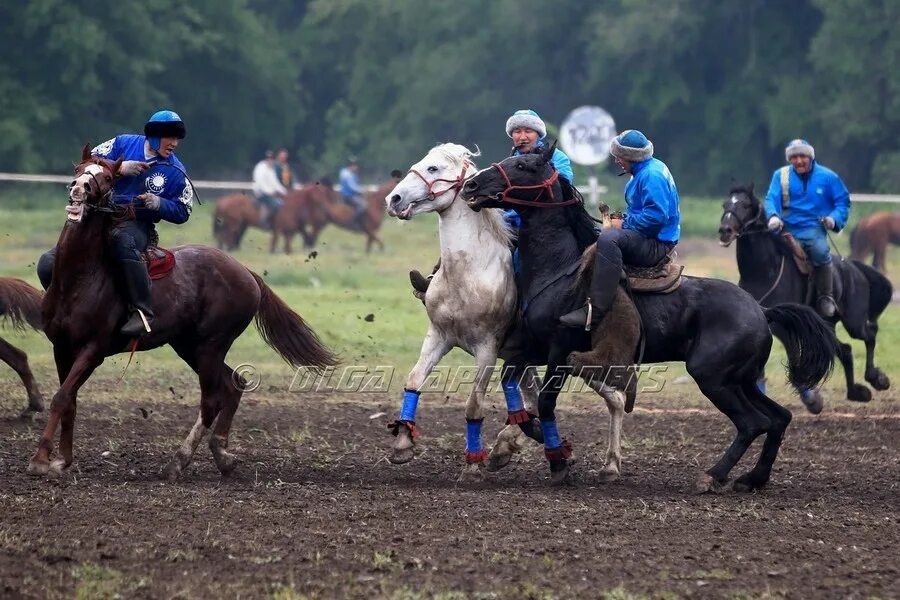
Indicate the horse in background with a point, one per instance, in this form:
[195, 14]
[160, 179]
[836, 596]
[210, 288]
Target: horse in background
[305, 211]
[202, 306]
[872, 235]
[20, 304]
[234, 213]
[769, 272]
[344, 216]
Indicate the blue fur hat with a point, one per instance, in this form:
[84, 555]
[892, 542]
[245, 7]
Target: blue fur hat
[163, 123]
[631, 145]
[526, 118]
[799, 146]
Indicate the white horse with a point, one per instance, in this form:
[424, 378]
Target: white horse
[472, 304]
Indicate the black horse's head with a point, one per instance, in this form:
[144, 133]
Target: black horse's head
[743, 210]
[92, 184]
[515, 181]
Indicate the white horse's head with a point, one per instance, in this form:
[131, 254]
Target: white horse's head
[433, 183]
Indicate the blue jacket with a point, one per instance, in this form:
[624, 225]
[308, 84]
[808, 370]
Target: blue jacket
[162, 179]
[820, 194]
[652, 202]
[349, 181]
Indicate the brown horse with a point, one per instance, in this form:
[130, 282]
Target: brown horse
[305, 211]
[234, 214]
[21, 305]
[201, 307]
[872, 234]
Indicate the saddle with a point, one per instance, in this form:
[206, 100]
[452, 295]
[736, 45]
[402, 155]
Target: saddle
[797, 253]
[662, 278]
[160, 261]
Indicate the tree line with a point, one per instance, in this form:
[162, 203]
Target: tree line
[719, 87]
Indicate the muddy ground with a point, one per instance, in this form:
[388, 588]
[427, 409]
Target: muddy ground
[315, 511]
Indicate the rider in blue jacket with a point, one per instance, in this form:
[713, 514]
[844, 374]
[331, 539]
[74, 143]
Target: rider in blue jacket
[153, 179]
[806, 199]
[649, 233]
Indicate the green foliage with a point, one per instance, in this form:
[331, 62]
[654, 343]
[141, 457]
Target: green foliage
[719, 86]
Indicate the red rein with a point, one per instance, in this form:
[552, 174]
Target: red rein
[457, 183]
[544, 186]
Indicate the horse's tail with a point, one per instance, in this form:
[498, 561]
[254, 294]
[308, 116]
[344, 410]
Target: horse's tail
[287, 332]
[810, 343]
[881, 292]
[20, 303]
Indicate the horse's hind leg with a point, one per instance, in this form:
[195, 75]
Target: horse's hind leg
[485, 359]
[855, 391]
[18, 360]
[780, 418]
[231, 388]
[875, 376]
[512, 438]
[615, 404]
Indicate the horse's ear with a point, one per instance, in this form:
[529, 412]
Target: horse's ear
[397, 174]
[86, 153]
[115, 166]
[750, 186]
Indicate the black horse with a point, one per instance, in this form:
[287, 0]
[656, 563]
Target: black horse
[716, 328]
[771, 276]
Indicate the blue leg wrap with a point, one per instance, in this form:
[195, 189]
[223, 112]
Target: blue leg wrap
[761, 384]
[473, 435]
[551, 435]
[806, 394]
[514, 400]
[410, 403]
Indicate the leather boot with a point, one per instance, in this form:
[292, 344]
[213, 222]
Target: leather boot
[420, 283]
[137, 285]
[824, 281]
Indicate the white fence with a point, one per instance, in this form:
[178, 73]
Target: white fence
[591, 191]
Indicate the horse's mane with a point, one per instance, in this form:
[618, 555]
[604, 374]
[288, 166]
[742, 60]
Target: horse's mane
[583, 226]
[494, 220]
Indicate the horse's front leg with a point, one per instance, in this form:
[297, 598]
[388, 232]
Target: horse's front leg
[485, 359]
[72, 374]
[434, 347]
[521, 405]
[556, 449]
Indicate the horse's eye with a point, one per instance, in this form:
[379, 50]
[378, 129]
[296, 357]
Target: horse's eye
[432, 169]
[520, 166]
[109, 178]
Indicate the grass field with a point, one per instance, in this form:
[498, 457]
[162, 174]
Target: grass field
[359, 304]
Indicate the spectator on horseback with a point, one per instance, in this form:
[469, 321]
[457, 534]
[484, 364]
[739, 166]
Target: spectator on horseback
[650, 230]
[267, 189]
[153, 180]
[283, 169]
[352, 192]
[809, 200]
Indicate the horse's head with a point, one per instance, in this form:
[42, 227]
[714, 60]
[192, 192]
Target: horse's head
[92, 185]
[742, 210]
[531, 176]
[433, 183]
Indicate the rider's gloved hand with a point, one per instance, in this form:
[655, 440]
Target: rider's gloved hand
[150, 201]
[829, 223]
[775, 224]
[132, 167]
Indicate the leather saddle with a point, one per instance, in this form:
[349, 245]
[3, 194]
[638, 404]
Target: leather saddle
[160, 261]
[797, 253]
[662, 278]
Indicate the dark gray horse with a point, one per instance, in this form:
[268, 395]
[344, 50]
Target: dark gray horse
[716, 328]
[771, 276]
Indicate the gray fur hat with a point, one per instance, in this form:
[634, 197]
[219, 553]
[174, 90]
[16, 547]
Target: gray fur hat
[631, 145]
[526, 118]
[801, 147]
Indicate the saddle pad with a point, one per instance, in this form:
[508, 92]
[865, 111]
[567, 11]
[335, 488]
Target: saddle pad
[660, 281]
[797, 253]
[160, 261]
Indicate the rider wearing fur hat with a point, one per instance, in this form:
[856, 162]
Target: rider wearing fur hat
[650, 231]
[807, 199]
[152, 179]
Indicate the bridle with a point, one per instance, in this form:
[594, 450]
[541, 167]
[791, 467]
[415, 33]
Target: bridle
[544, 186]
[102, 203]
[456, 184]
[742, 225]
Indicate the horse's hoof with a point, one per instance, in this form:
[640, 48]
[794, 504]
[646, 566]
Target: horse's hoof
[498, 461]
[813, 401]
[859, 393]
[172, 471]
[472, 473]
[37, 468]
[878, 380]
[608, 474]
[707, 484]
[561, 475]
[227, 463]
[57, 467]
[401, 456]
[747, 483]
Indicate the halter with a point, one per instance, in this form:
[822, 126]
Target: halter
[456, 183]
[544, 186]
[99, 206]
[742, 225]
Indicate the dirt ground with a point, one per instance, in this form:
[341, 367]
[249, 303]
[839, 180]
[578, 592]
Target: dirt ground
[314, 510]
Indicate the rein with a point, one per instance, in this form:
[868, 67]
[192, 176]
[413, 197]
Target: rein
[544, 186]
[456, 183]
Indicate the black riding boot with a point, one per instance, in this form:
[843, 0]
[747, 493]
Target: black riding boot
[420, 283]
[606, 276]
[825, 289]
[137, 284]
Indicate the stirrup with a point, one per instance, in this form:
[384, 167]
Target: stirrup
[144, 320]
